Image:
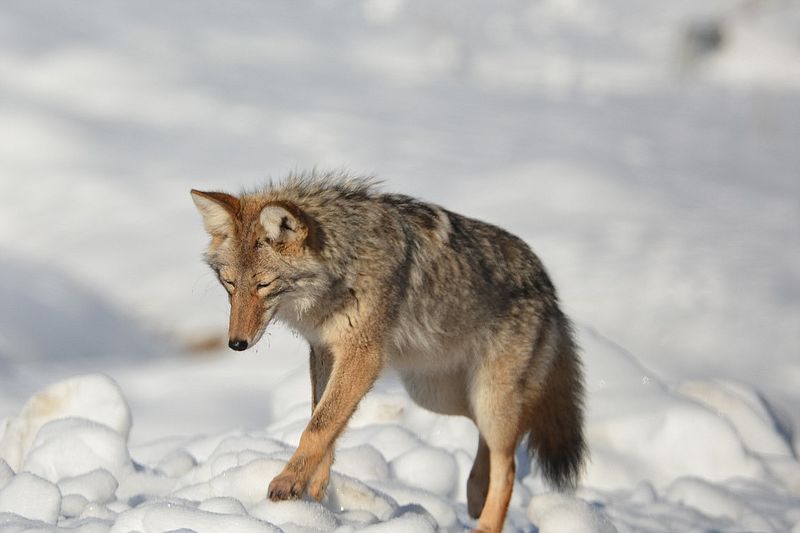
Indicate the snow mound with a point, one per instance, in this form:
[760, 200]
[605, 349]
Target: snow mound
[91, 446]
[362, 462]
[223, 505]
[717, 501]
[32, 497]
[710, 430]
[557, 513]
[97, 486]
[246, 483]
[358, 499]
[745, 410]
[294, 514]
[96, 398]
[427, 468]
[158, 517]
[439, 508]
[408, 518]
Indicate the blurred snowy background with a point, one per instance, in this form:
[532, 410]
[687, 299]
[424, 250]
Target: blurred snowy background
[648, 151]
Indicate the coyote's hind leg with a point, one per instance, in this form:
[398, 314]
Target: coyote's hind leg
[498, 411]
[501, 483]
[478, 482]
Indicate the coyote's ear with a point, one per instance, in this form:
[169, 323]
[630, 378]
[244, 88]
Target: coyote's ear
[285, 226]
[218, 210]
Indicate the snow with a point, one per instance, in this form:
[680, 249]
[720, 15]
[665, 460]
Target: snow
[223, 505]
[555, 513]
[6, 474]
[174, 516]
[297, 513]
[408, 520]
[31, 497]
[652, 169]
[363, 462]
[72, 505]
[705, 453]
[716, 501]
[97, 486]
[93, 398]
[431, 469]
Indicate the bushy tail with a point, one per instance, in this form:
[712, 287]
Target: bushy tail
[555, 421]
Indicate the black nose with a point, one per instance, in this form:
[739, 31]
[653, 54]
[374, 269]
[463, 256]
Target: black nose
[237, 344]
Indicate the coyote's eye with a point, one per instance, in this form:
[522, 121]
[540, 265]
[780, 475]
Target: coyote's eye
[228, 283]
[264, 285]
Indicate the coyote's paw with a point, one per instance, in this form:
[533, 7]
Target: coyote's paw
[318, 486]
[285, 487]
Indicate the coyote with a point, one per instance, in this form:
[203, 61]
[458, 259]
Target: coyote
[463, 310]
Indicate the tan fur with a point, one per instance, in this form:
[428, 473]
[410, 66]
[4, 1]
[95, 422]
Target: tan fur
[461, 309]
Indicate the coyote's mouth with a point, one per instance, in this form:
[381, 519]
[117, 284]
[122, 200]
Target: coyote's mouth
[269, 314]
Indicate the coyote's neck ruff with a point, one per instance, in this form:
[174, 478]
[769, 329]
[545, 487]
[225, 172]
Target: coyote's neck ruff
[462, 309]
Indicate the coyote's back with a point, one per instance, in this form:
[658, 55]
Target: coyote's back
[462, 309]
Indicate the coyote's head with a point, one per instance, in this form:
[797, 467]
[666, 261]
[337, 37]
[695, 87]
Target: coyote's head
[263, 253]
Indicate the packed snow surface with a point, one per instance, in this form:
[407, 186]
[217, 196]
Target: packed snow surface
[648, 151]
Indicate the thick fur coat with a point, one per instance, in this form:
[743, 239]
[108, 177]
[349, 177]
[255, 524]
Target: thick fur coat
[463, 310]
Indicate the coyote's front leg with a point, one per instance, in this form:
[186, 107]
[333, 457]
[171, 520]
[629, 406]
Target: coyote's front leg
[356, 365]
[320, 366]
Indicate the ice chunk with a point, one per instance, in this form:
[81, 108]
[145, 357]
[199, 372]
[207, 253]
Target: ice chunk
[91, 446]
[92, 397]
[32, 497]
